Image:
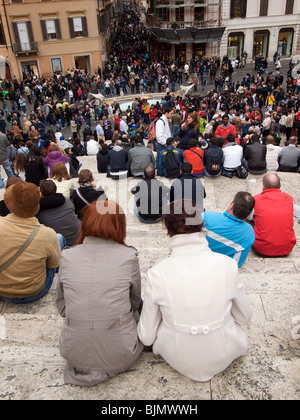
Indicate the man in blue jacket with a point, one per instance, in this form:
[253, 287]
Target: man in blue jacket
[162, 168]
[229, 233]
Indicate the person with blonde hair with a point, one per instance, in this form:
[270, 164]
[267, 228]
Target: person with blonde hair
[99, 298]
[62, 179]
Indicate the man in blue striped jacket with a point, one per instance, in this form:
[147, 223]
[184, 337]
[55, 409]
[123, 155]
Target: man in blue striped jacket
[228, 233]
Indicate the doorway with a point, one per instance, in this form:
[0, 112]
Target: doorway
[261, 43]
[30, 68]
[180, 54]
[82, 62]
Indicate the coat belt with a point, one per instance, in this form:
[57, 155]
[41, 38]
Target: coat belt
[197, 329]
[98, 323]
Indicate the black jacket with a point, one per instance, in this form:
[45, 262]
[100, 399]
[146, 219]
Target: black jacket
[102, 161]
[255, 155]
[89, 194]
[187, 187]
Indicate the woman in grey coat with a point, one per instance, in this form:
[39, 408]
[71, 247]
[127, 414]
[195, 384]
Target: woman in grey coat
[99, 293]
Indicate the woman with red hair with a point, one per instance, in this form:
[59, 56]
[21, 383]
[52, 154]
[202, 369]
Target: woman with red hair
[99, 293]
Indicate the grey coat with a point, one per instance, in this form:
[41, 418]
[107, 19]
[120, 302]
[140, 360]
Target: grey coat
[139, 157]
[4, 143]
[98, 293]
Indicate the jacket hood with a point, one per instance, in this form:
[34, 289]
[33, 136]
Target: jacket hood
[55, 154]
[52, 202]
[117, 148]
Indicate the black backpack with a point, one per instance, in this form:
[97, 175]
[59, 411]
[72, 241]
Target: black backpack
[171, 164]
[213, 168]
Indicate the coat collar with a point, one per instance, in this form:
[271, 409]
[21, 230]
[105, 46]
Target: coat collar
[188, 243]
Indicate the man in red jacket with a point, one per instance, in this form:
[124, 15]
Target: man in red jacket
[273, 218]
[224, 129]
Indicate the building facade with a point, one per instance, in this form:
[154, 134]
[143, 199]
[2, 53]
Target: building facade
[49, 36]
[261, 27]
[185, 29]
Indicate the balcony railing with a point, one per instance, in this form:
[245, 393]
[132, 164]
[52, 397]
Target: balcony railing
[182, 25]
[26, 48]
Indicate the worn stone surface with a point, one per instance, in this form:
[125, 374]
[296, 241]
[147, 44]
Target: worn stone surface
[31, 366]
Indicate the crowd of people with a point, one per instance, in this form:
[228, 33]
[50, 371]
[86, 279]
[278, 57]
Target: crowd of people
[233, 129]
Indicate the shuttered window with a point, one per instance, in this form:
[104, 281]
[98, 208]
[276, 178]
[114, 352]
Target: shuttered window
[264, 6]
[289, 8]
[50, 29]
[78, 27]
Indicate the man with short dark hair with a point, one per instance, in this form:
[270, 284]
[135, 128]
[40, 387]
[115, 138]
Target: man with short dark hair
[232, 156]
[150, 197]
[164, 168]
[255, 156]
[229, 233]
[187, 186]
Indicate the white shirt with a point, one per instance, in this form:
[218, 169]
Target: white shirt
[232, 156]
[92, 147]
[99, 130]
[123, 126]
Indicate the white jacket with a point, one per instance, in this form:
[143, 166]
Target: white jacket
[272, 157]
[162, 129]
[194, 305]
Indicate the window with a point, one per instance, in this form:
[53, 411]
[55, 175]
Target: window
[264, 6]
[78, 27]
[285, 42]
[199, 14]
[23, 36]
[180, 11]
[238, 9]
[56, 65]
[50, 29]
[235, 45]
[2, 35]
[289, 8]
[163, 14]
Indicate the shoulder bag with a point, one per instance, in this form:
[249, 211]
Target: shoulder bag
[21, 250]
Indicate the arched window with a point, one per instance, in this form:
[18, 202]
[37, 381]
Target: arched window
[235, 44]
[285, 42]
[261, 43]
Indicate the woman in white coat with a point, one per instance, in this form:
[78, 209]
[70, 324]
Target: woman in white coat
[194, 303]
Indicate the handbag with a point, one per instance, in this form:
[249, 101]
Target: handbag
[241, 172]
[21, 250]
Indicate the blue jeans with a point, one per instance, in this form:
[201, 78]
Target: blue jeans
[50, 273]
[7, 168]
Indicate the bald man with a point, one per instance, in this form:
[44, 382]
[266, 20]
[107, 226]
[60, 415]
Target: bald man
[273, 218]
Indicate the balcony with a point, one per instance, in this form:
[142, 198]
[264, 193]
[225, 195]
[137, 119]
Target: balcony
[26, 48]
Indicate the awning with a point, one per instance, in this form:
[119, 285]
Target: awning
[188, 35]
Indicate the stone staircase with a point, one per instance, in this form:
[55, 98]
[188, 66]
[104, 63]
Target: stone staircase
[31, 367]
